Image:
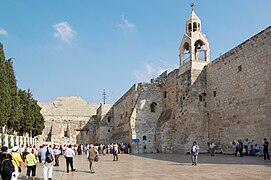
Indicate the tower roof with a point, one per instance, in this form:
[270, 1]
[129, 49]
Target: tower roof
[193, 17]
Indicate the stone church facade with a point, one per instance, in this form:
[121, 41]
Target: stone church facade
[220, 101]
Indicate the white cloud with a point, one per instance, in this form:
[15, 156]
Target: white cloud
[3, 32]
[150, 71]
[64, 32]
[124, 23]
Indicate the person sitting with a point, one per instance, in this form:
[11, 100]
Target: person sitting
[251, 150]
[256, 149]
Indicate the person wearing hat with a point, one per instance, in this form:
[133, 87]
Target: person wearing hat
[3, 156]
[30, 163]
[18, 162]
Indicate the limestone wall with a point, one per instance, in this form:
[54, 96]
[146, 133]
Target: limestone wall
[69, 120]
[145, 116]
[239, 96]
[104, 127]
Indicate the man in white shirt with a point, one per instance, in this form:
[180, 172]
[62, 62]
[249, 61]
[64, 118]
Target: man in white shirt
[47, 166]
[69, 153]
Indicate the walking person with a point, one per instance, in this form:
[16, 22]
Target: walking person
[7, 167]
[57, 153]
[236, 147]
[115, 152]
[18, 162]
[47, 165]
[91, 156]
[194, 153]
[69, 153]
[265, 149]
[30, 161]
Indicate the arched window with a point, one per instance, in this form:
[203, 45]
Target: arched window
[186, 52]
[195, 27]
[153, 106]
[189, 27]
[200, 49]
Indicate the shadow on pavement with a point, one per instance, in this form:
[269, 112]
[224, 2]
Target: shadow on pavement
[207, 159]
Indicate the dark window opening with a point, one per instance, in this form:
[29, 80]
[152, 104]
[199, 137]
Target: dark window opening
[239, 68]
[144, 138]
[108, 130]
[200, 98]
[214, 93]
[153, 106]
[66, 134]
[121, 116]
[165, 94]
[108, 119]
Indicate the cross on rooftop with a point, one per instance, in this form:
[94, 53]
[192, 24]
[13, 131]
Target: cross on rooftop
[192, 6]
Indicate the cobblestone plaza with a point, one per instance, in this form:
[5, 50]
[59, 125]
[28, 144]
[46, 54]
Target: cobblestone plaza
[164, 166]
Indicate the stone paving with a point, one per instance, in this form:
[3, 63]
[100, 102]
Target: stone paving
[164, 166]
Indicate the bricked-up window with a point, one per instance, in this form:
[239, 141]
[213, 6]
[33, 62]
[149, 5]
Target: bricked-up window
[108, 119]
[165, 94]
[214, 93]
[239, 68]
[153, 106]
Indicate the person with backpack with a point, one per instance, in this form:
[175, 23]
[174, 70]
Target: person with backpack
[47, 157]
[7, 166]
[30, 161]
[18, 162]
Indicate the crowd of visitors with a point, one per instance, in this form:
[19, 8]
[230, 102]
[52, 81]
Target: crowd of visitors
[12, 161]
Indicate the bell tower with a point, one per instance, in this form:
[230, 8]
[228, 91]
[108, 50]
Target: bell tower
[194, 46]
[191, 89]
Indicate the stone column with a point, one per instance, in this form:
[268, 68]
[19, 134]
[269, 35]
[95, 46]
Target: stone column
[11, 140]
[5, 143]
[17, 141]
[21, 141]
[28, 141]
[1, 139]
[24, 138]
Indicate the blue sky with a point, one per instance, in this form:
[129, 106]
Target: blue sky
[79, 48]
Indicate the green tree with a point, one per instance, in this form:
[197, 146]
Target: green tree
[32, 121]
[5, 98]
[13, 123]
